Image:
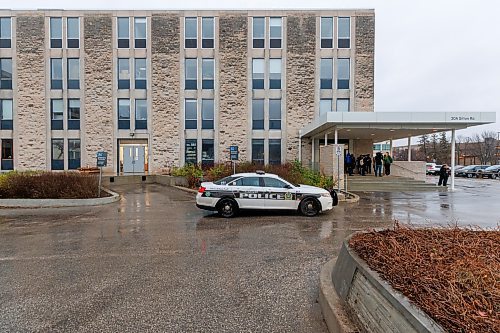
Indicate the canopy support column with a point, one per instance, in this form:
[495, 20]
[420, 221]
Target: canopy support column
[312, 153]
[336, 135]
[453, 159]
[409, 149]
[326, 139]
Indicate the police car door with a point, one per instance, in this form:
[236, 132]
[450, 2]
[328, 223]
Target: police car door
[278, 194]
[248, 193]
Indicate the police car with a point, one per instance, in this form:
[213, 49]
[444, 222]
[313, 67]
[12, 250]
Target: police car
[261, 190]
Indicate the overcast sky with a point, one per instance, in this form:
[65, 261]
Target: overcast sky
[430, 55]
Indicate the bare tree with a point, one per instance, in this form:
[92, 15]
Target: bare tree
[484, 147]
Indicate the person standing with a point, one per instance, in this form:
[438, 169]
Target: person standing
[387, 163]
[368, 163]
[443, 175]
[378, 164]
[362, 166]
[348, 163]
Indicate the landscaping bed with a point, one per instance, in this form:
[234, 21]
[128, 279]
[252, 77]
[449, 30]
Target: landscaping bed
[451, 274]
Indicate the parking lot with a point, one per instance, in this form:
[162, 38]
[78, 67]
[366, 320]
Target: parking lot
[153, 262]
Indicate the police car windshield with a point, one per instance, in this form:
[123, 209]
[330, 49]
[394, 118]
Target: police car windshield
[225, 180]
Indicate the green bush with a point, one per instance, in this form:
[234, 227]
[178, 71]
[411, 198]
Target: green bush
[191, 172]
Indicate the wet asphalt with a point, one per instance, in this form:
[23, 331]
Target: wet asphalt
[153, 262]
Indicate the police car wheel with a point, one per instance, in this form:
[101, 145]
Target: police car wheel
[309, 207]
[227, 207]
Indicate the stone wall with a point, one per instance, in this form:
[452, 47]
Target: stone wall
[300, 81]
[98, 80]
[166, 109]
[233, 64]
[32, 116]
[364, 63]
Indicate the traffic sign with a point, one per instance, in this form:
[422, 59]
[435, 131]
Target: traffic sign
[338, 151]
[102, 159]
[233, 153]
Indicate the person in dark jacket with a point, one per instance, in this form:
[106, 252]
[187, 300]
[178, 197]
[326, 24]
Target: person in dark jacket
[368, 163]
[443, 175]
[387, 163]
[379, 158]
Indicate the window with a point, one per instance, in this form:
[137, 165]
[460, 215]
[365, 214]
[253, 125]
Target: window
[56, 73]
[73, 114]
[5, 32]
[6, 73]
[275, 114]
[325, 105]
[275, 32]
[248, 181]
[326, 32]
[6, 114]
[257, 73]
[343, 73]
[275, 73]
[191, 153]
[73, 37]
[274, 151]
[191, 114]
[74, 154]
[191, 70]
[123, 113]
[207, 32]
[56, 114]
[326, 73]
[140, 73]
[258, 151]
[190, 32]
[123, 32]
[258, 32]
[123, 73]
[140, 32]
[207, 74]
[73, 73]
[274, 182]
[207, 152]
[7, 154]
[258, 114]
[343, 105]
[207, 114]
[141, 114]
[57, 154]
[56, 32]
[344, 31]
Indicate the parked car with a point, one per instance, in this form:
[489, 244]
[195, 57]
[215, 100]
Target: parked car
[490, 172]
[429, 168]
[435, 169]
[463, 171]
[475, 171]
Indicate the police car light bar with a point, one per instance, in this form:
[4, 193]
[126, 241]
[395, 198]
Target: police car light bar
[260, 172]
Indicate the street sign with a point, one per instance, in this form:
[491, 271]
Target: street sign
[102, 159]
[233, 153]
[338, 151]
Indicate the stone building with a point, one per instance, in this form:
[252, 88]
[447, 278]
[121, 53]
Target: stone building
[156, 89]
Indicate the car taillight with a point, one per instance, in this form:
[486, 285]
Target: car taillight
[201, 190]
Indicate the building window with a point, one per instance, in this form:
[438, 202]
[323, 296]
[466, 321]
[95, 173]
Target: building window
[258, 114]
[190, 32]
[141, 114]
[56, 32]
[275, 73]
[325, 105]
[257, 73]
[56, 69]
[5, 32]
[190, 114]
[344, 32]
[343, 73]
[258, 32]
[207, 114]
[57, 154]
[73, 37]
[343, 105]
[191, 72]
[258, 151]
[275, 114]
[140, 73]
[207, 32]
[6, 73]
[123, 73]
[73, 114]
[74, 154]
[7, 154]
[140, 32]
[207, 73]
[207, 152]
[275, 32]
[326, 32]
[56, 114]
[73, 73]
[123, 32]
[326, 73]
[6, 114]
[274, 151]
[191, 153]
[123, 113]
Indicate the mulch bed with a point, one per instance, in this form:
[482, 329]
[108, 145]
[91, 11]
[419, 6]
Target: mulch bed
[452, 274]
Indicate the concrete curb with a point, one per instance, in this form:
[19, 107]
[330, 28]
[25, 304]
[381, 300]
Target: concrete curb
[355, 197]
[53, 203]
[185, 189]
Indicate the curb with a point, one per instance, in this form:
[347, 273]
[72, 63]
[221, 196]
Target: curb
[354, 197]
[185, 189]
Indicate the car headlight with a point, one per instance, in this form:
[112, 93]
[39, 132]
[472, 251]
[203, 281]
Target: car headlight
[327, 195]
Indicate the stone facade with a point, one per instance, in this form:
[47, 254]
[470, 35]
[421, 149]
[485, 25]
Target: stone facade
[364, 63]
[32, 116]
[166, 107]
[233, 62]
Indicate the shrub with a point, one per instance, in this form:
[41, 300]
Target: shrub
[191, 172]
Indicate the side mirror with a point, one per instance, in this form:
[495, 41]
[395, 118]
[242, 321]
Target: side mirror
[288, 186]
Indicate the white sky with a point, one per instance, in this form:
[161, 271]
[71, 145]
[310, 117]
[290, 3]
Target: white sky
[430, 55]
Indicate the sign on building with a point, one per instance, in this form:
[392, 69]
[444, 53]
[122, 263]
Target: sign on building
[102, 159]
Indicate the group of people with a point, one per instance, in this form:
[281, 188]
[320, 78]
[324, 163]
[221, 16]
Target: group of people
[363, 164]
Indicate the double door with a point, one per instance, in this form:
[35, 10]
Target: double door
[133, 159]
